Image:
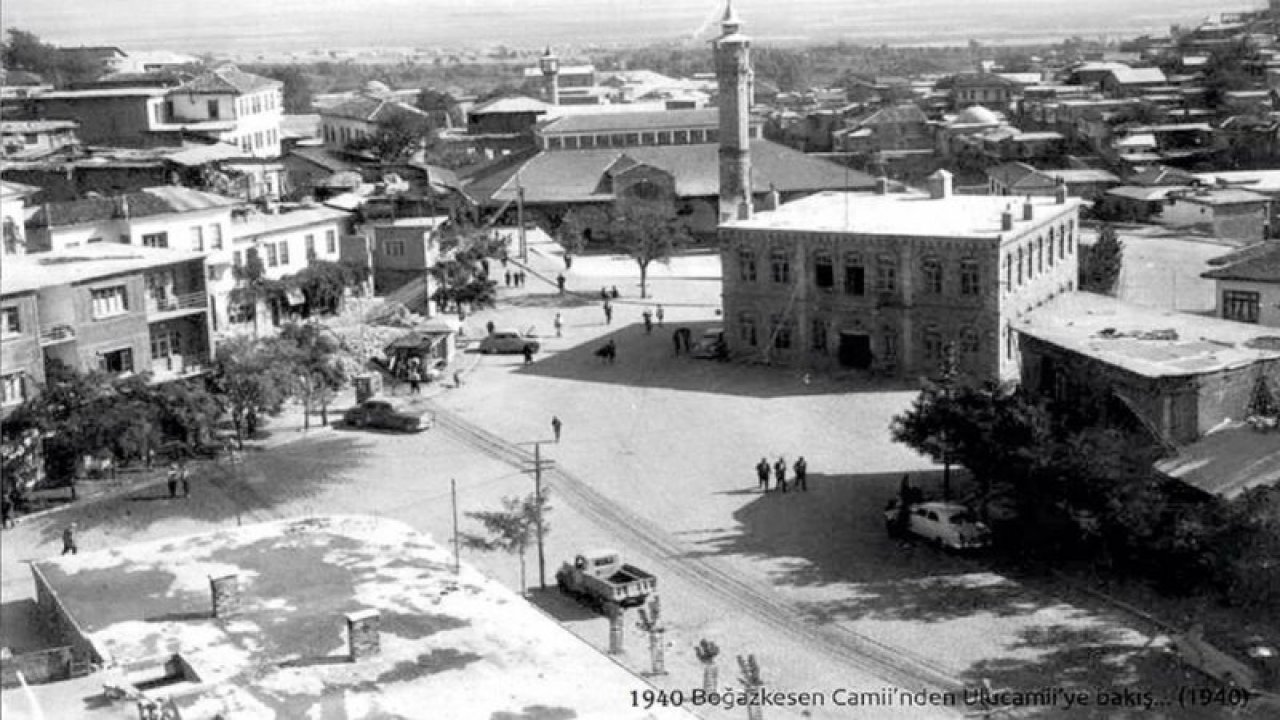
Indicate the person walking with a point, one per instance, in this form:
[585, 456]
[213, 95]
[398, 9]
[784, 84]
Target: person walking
[506, 278]
[614, 293]
[489, 326]
[415, 381]
[559, 323]
[555, 426]
[780, 474]
[521, 278]
[762, 475]
[69, 540]
[660, 315]
[675, 340]
[648, 322]
[171, 479]
[560, 283]
[568, 261]
[801, 469]
[184, 477]
[608, 313]
[528, 354]
[604, 293]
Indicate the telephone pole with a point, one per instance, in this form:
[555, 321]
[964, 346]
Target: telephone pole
[538, 465]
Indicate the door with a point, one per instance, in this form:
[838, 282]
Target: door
[855, 350]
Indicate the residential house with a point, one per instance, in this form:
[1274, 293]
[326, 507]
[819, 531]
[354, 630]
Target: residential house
[1124, 82]
[400, 251]
[1094, 73]
[1019, 179]
[889, 281]
[169, 216]
[117, 308]
[1136, 203]
[986, 89]
[33, 138]
[897, 128]
[1248, 284]
[365, 116]
[310, 168]
[1087, 183]
[1177, 375]
[1221, 212]
[109, 116]
[230, 106]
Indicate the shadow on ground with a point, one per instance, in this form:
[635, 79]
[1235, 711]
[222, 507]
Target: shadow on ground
[650, 360]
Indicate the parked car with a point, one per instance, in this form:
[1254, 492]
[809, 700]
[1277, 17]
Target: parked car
[945, 524]
[383, 413]
[600, 577]
[711, 345]
[508, 341]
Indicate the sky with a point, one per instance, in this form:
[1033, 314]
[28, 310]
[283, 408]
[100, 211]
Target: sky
[184, 25]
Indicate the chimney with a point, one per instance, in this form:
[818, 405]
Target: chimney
[744, 211]
[882, 186]
[1028, 210]
[1060, 192]
[225, 592]
[362, 634]
[1006, 219]
[939, 184]
[771, 200]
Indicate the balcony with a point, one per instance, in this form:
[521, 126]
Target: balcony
[177, 303]
[57, 334]
[176, 367]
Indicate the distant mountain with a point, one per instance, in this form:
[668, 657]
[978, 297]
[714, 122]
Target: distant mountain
[277, 25]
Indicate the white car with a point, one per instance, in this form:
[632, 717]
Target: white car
[505, 340]
[945, 524]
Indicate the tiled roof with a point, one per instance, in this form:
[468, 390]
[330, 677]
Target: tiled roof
[1144, 193]
[374, 110]
[1138, 76]
[516, 104]
[322, 157]
[896, 115]
[1010, 174]
[575, 175]
[229, 79]
[1229, 196]
[640, 121]
[1163, 175]
[144, 203]
[1082, 175]
[36, 126]
[1262, 265]
[982, 80]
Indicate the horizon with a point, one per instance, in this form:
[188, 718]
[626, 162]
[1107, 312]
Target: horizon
[250, 26]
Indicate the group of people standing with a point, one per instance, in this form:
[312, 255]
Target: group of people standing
[513, 279]
[800, 483]
[178, 474]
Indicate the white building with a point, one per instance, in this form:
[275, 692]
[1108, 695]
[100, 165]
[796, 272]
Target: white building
[232, 106]
[168, 216]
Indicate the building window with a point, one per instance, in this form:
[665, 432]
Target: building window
[824, 275]
[10, 322]
[284, 252]
[197, 238]
[781, 333]
[237, 258]
[215, 236]
[311, 247]
[1019, 266]
[933, 276]
[156, 240]
[165, 344]
[747, 265]
[780, 266]
[890, 343]
[1008, 272]
[1071, 236]
[393, 248]
[747, 329]
[331, 241]
[13, 389]
[1052, 242]
[818, 335]
[969, 341]
[934, 348]
[886, 274]
[272, 258]
[1039, 255]
[116, 361]
[109, 301]
[969, 277]
[1241, 305]
[212, 105]
[240, 313]
[855, 275]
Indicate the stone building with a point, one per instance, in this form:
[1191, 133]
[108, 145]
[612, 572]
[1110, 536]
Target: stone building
[888, 281]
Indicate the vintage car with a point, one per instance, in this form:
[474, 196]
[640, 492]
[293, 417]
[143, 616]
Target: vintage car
[504, 340]
[711, 345]
[945, 524]
[386, 414]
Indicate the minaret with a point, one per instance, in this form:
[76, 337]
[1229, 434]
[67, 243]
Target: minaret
[733, 77]
[550, 66]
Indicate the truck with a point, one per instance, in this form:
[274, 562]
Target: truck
[600, 577]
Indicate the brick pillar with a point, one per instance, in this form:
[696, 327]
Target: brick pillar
[225, 591]
[362, 634]
[615, 613]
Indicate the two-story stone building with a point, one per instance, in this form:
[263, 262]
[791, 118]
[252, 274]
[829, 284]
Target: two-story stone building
[888, 281]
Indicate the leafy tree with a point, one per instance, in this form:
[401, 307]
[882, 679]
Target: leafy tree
[25, 51]
[707, 652]
[648, 234]
[314, 356]
[1227, 70]
[1101, 264]
[250, 381]
[573, 231]
[438, 103]
[297, 89]
[323, 284]
[397, 138]
[513, 528]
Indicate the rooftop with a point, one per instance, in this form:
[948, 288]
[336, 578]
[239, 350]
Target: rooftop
[459, 644]
[36, 126]
[257, 223]
[1080, 175]
[1260, 263]
[374, 110]
[147, 202]
[24, 273]
[903, 214]
[1138, 76]
[510, 104]
[104, 93]
[1227, 461]
[1145, 194]
[1147, 341]
[639, 121]
[229, 79]
[1228, 196]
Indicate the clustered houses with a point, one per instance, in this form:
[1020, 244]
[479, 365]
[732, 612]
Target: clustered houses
[365, 115]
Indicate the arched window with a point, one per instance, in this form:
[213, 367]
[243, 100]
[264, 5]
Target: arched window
[934, 347]
[781, 332]
[932, 267]
[1008, 272]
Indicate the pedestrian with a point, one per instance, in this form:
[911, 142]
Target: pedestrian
[71, 483]
[151, 458]
[802, 474]
[489, 326]
[528, 354]
[780, 474]
[568, 261]
[457, 378]
[762, 475]
[521, 275]
[415, 381]
[648, 322]
[555, 426]
[608, 313]
[184, 476]
[69, 540]
[506, 277]
[614, 293]
[560, 283]
[171, 479]
[604, 293]
[559, 323]
[661, 314]
[675, 340]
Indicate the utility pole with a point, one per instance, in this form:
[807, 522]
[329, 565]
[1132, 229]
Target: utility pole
[524, 240]
[453, 493]
[538, 464]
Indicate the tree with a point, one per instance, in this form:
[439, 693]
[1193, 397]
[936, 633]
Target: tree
[651, 624]
[574, 230]
[513, 528]
[251, 383]
[1101, 263]
[648, 234]
[396, 138]
[1227, 70]
[315, 359]
[707, 653]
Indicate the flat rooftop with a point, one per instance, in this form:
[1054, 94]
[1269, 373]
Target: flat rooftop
[24, 273]
[1148, 341]
[909, 214]
[457, 646]
[259, 223]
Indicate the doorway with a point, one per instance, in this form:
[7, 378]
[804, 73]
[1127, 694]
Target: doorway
[855, 350]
